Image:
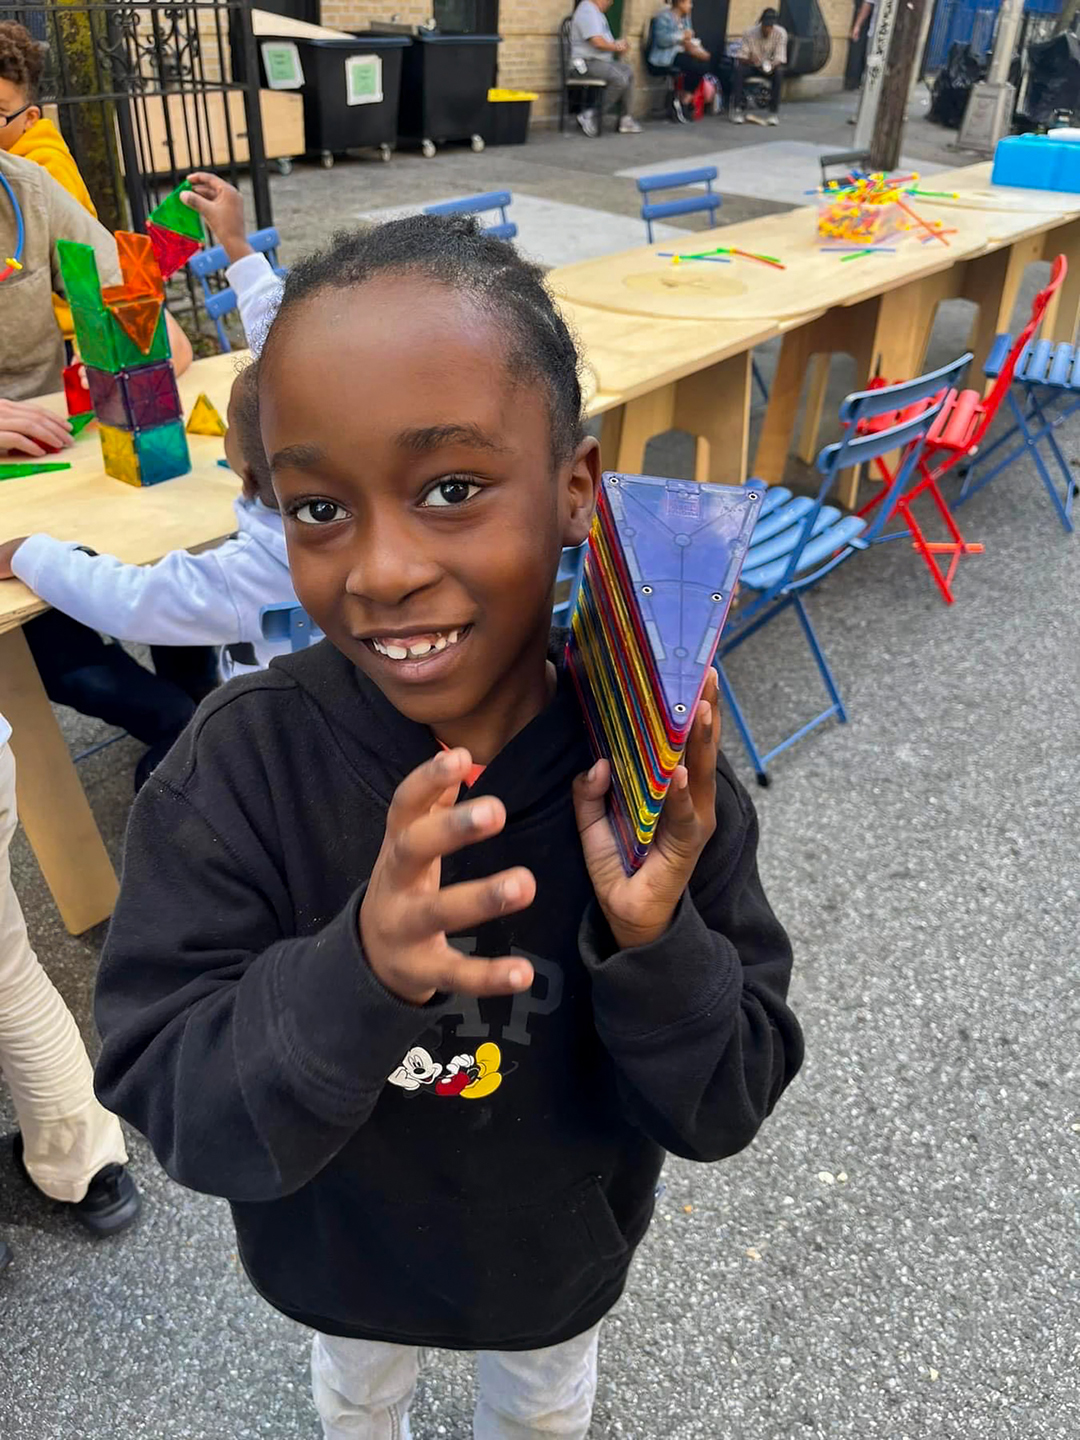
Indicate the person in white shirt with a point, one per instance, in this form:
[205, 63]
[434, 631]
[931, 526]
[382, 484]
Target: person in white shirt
[594, 51]
[68, 1145]
[212, 598]
[762, 51]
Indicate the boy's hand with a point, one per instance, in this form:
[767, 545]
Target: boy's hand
[222, 207]
[31, 429]
[639, 907]
[406, 913]
[7, 554]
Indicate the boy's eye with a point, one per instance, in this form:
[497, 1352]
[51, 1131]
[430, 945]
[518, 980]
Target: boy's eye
[450, 492]
[319, 512]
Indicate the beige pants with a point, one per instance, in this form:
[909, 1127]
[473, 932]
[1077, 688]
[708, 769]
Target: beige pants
[67, 1135]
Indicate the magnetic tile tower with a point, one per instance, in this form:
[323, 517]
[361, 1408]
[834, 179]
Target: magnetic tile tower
[123, 343]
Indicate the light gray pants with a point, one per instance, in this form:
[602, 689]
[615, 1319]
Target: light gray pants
[619, 94]
[363, 1389]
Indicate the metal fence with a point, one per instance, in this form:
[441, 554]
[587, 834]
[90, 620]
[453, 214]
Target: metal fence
[144, 93]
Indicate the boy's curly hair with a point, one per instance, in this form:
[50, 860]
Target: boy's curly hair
[22, 59]
[454, 251]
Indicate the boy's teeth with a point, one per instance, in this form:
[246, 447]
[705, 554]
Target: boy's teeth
[417, 649]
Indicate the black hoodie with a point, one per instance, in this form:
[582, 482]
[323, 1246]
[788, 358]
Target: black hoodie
[463, 1174]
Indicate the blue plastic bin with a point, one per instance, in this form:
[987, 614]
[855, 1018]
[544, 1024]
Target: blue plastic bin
[1035, 162]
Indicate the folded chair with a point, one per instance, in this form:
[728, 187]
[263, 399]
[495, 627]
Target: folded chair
[798, 540]
[1049, 374]
[957, 435]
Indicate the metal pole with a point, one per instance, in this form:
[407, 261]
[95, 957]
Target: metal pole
[260, 184]
[1009, 20]
[877, 52]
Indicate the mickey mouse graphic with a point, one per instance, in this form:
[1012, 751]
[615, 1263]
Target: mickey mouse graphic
[472, 1077]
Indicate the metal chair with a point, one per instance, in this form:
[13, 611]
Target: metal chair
[706, 199]
[581, 85]
[850, 161]
[1049, 374]
[571, 564]
[476, 205]
[957, 435]
[798, 540]
[220, 301]
[289, 624]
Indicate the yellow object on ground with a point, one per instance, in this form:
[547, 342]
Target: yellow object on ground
[501, 96]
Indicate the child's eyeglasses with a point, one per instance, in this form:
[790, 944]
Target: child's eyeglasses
[7, 119]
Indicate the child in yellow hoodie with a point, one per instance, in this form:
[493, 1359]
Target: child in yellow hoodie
[25, 132]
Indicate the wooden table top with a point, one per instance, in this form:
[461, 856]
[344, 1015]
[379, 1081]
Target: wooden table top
[137, 525]
[626, 355]
[640, 282]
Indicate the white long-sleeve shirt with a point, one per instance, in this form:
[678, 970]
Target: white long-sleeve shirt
[213, 598]
[258, 295]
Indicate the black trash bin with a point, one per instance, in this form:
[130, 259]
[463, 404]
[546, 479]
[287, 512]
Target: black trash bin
[444, 85]
[332, 125]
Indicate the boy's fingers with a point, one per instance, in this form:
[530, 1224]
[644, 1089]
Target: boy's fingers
[459, 907]
[419, 791]
[469, 975]
[443, 831]
[589, 792]
[19, 444]
[701, 753]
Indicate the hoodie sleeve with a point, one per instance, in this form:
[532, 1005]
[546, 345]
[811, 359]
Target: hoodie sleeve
[182, 600]
[258, 295]
[246, 1055]
[697, 1023]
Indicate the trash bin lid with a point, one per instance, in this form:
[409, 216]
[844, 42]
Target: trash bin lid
[431, 37]
[357, 41]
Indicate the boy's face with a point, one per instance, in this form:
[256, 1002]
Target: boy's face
[423, 518]
[12, 122]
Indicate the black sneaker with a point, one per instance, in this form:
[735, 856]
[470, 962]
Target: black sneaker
[111, 1202]
[5, 1255]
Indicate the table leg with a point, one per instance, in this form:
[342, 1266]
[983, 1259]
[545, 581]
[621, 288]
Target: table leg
[54, 811]
[807, 448]
[1063, 311]
[774, 442]
[642, 418]
[714, 406]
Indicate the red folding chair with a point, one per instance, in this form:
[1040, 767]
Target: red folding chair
[956, 434]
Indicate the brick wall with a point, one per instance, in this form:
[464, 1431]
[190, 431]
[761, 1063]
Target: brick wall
[529, 53]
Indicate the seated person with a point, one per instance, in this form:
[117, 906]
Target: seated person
[32, 352]
[594, 51]
[185, 600]
[676, 47]
[762, 51]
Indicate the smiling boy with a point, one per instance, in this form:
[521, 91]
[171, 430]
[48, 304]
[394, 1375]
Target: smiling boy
[431, 1041]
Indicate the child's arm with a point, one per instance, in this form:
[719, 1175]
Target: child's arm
[182, 600]
[258, 289]
[693, 1010]
[247, 1054]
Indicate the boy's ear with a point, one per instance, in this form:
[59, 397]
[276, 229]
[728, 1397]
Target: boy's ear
[582, 485]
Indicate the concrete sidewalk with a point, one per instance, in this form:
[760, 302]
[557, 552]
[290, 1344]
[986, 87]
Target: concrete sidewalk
[895, 1258]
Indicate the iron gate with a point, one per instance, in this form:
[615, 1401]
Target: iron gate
[145, 92]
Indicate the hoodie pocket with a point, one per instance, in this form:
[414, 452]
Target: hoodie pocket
[454, 1272]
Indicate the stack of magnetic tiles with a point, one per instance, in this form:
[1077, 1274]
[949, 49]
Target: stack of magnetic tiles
[660, 572]
[120, 332]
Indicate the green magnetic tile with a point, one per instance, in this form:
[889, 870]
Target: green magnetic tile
[173, 214]
[78, 267]
[94, 335]
[128, 355]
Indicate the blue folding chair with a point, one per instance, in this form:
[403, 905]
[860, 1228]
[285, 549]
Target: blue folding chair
[284, 623]
[1048, 373]
[706, 199]
[571, 564]
[478, 205]
[798, 540]
[220, 301]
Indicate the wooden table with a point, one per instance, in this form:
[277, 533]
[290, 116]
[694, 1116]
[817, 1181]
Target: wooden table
[137, 525]
[880, 309]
